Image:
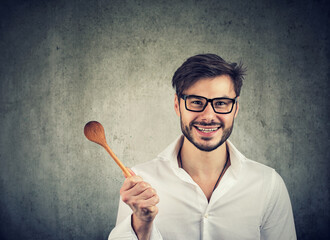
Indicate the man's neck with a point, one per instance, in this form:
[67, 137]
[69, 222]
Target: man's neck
[205, 168]
[201, 163]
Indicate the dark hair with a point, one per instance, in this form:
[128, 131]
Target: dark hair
[206, 66]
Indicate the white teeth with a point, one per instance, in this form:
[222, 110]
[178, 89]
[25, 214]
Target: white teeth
[207, 130]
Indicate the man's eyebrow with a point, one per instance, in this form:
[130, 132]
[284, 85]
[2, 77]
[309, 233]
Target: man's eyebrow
[224, 96]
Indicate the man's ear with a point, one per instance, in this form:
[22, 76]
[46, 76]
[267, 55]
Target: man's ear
[177, 105]
[237, 107]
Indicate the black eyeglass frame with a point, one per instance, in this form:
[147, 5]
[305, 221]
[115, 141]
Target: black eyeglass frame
[184, 97]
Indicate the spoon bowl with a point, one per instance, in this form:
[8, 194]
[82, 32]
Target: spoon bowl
[94, 132]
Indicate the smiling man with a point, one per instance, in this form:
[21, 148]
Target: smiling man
[201, 186]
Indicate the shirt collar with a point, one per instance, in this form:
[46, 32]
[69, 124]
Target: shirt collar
[171, 152]
[236, 159]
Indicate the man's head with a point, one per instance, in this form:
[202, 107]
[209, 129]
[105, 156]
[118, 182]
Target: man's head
[207, 93]
[206, 66]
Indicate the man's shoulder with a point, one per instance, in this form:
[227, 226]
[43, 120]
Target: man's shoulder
[260, 171]
[148, 164]
[164, 161]
[257, 166]
[246, 165]
[151, 168]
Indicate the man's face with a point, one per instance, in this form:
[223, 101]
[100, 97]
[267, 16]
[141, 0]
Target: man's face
[207, 130]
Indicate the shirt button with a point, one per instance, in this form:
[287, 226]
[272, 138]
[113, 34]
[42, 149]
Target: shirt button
[206, 215]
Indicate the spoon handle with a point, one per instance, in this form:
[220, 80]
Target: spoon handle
[119, 163]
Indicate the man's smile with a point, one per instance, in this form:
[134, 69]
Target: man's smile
[207, 129]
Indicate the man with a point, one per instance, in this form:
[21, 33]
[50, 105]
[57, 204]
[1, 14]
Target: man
[201, 187]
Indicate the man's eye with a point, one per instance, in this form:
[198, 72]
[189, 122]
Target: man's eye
[197, 102]
[220, 103]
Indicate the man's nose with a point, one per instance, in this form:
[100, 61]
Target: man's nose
[208, 112]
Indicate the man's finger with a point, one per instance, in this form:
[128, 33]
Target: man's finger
[138, 189]
[149, 203]
[148, 193]
[130, 182]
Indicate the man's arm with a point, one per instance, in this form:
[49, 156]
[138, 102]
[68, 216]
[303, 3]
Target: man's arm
[278, 220]
[142, 200]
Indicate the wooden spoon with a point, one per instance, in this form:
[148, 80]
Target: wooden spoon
[94, 132]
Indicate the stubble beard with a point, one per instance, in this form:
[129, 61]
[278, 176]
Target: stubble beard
[187, 132]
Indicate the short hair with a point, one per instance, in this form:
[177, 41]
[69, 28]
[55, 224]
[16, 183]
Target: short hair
[206, 66]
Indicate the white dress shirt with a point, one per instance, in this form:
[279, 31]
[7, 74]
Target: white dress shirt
[250, 202]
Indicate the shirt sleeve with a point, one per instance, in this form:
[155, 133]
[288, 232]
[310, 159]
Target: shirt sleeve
[123, 229]
[278, 220]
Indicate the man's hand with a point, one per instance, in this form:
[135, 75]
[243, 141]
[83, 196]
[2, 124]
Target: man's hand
[142, 199]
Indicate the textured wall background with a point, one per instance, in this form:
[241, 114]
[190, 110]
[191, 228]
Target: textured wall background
[64, 63]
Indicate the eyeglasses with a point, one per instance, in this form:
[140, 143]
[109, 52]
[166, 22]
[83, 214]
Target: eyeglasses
[196, 103]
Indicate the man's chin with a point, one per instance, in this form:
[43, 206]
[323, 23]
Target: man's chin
[208, 139]
[208, 146]
[204, 143]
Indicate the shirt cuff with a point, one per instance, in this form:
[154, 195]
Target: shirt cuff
[124, 231]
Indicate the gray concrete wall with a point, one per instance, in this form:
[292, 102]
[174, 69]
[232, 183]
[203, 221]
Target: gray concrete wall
[64, 63]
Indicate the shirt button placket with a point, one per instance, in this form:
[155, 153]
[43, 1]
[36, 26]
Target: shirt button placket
[205, 227]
